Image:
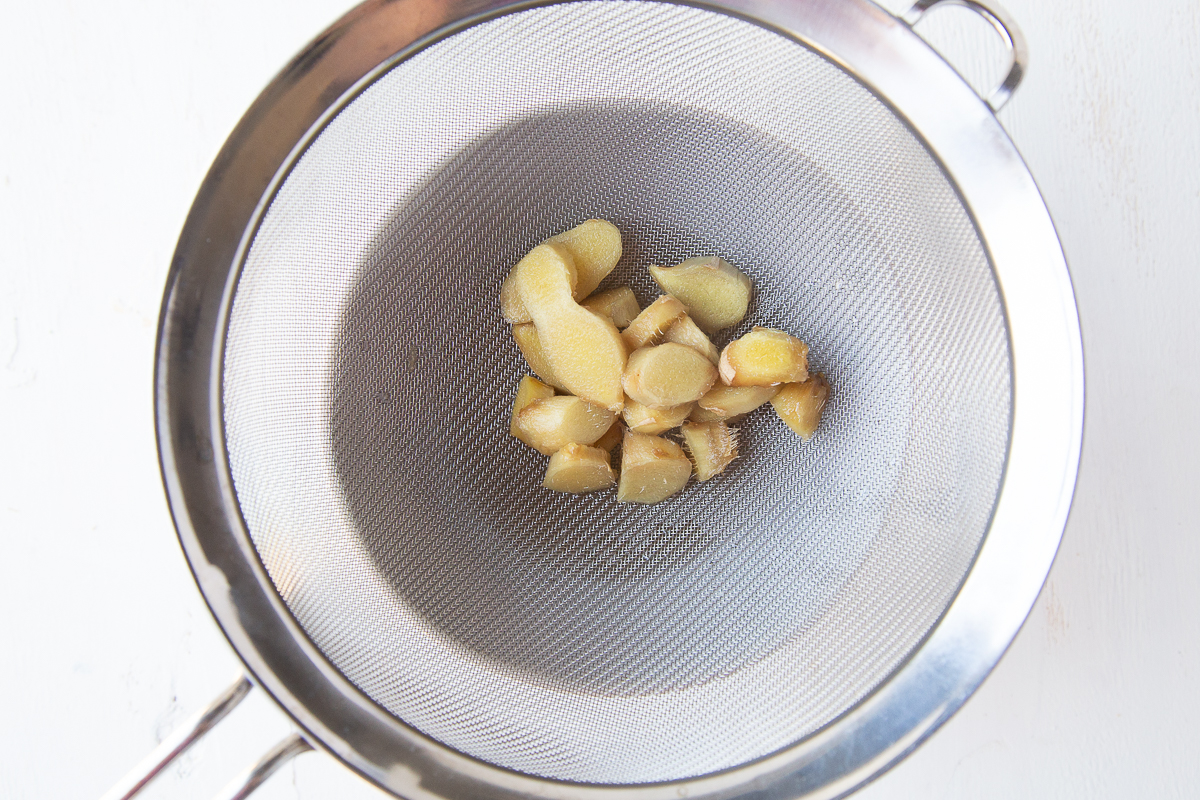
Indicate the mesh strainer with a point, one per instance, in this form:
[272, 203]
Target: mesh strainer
[334, 383]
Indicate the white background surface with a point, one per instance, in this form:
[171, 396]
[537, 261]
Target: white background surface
[109, 117]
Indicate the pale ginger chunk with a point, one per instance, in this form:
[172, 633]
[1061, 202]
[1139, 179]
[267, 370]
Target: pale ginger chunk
[715, 292]
[668, 375]
[713, 445]
[612, 437]
[579, 469]
[595, 248]
[645, 419]
[531, 347]
[652, 469]
[700, 414]
[729, 402]
[620, 305]
[550, 424]
[584, 350]
[764, 357]
[650, 325]
[687, 333]
[800, 404]
[528, 390]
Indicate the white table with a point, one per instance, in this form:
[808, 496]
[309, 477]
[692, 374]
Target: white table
[110, 116]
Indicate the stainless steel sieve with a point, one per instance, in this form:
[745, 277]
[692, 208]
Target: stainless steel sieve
[334, 381]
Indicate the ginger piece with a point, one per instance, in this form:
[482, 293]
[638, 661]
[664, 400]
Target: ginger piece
[579, 469]
[612, 437]
[728, 402]
[800, 404]
[584, 350]
[704, 415]
[668, 375]
[530, 345]
[595, 248]
[687, 333]
[644, 419]
[713, 445]
[528, 390]
[550, 424]
[620, 305]
[648, 327]
[595, 245]
[652, 469]
[715, 292]
[764, 357]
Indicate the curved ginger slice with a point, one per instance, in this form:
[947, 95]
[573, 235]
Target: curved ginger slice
[645, 419]
[800, 404]
[579, 469]
[764, 357]
[652, 469]
[550, 424]
[727, 402]
[715, 292]
[584, 350]
[668, 375]
[595, 248]
[713, 446]
[649, 326]
[620, 305]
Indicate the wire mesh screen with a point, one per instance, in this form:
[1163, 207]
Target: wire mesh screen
[368, 381]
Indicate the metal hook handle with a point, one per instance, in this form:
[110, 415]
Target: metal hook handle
[187, 734]
[1004, 24]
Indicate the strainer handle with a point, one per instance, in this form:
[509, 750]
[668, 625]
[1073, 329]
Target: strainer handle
[1004, 24]
[190, 732]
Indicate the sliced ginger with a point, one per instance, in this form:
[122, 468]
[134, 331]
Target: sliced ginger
[550, 424]
[620, 305]
[650, 325]
[595, 248]
[728, 402]
[652, 469]
[668, 375]
[800, 404]
[713, 445]
[584, 350]
[687, 333]
[764, 357]
[531, 347]
[645, 419]
[528, 390]
[579, 469]
[715, 292]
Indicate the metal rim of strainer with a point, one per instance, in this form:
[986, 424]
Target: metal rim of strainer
[960, 132]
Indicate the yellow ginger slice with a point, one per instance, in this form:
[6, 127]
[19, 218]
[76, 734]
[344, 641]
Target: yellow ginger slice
[528, 390]
[727, 402]
[650, 325]
[584, 350]
[645, 419]
[764, 357]
[612, 437]
[687, 333]
[713, 445]
[620, 305]
[800, 404]
[652, 469]
[531, 347]
[668, 375]
[715, 292]
[595, 248]
[550, 424]
[579, 469]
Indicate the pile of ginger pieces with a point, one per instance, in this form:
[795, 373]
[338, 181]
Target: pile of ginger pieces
[626, 375]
